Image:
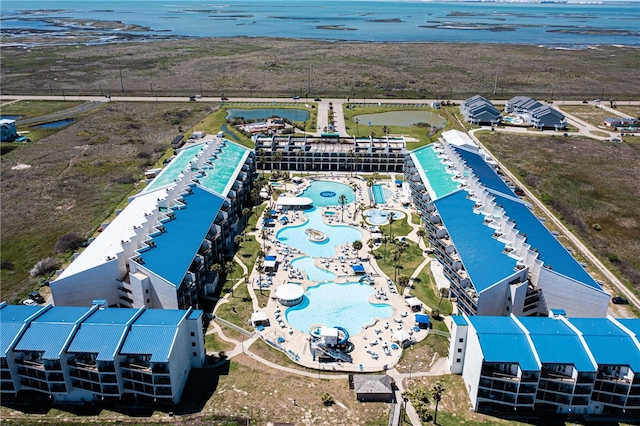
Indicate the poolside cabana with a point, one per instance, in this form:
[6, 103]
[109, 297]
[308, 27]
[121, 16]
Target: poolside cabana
[358, 269]
[289, 294]
[423, 321]
[259, 318]
[403, 338]
[414, 303]
[294, 203]
[270, 263]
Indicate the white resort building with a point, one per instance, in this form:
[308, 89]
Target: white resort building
[529, 366]
[498, 256]
[157, 252]
[80, 354]
[330, 153]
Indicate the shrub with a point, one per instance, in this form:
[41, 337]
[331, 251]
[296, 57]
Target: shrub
[596, 227]
[6, 264]
[327, 399]
[70, 241]
[44, 266]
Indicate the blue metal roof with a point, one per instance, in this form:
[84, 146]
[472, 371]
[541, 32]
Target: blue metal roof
[459, 320]
[501, 340]
[195, 314]
[13, 318]
[176, 248]
[556, 343]
[481, 254]
[50, 332]
[153, 333]
[633, 324]
[160, 317]
[551, 252]
[488, 177]
[608, 343]
[102, 333]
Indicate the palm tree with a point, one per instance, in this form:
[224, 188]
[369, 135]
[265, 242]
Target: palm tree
[444, 292]
[277, 157]
[395, 256]
[392, 218]
[262, 159]
[436, 392]
[403, 281]
[357, 245]
[357, 121]
[370, 185]
[238, 239]
[229, 269]
[342, 200]
[264, 233]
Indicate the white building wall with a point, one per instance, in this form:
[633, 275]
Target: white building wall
[162, 294]
[518, 293]
[577, 299]
[195, 327]
[180, 360]
[458, 332]
[473, 361]
[99, 282]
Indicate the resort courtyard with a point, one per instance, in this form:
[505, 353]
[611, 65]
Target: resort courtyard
[330, 306]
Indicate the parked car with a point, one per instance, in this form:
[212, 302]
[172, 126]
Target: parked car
[29, 302]
[192, 98]
[519, 191]
[317, 99]
[619, 300]
[224, 98]
[295, 98]
[36, 297]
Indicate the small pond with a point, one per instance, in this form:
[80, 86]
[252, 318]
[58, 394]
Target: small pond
[56, 124]
[402, 118]
[264, 113]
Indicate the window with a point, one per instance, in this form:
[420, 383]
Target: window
[193, 334]
[461, 340]
[507, 309]
[458, 360]
[148, 300]
[146, 291]
[459, 350]
[194, 354]
[193, 343]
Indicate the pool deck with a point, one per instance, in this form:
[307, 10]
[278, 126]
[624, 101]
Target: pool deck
[296, 343]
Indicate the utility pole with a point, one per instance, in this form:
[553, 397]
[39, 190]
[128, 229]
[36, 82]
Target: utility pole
[495, 84]
[120, 71]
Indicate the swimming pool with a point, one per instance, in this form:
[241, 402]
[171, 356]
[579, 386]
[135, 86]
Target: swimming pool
[325, 193]
[295, 236]
[381, 217]
[344, 305]
[313, 272]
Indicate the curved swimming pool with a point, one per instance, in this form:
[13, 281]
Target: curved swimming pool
[343, 305]
[314, 273]
[295, 236]
[326, 193]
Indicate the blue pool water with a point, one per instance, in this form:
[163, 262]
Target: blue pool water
[380, 217]
[313, 272]
[264, 113]
[294, 236]
[378, 194]
[344, 305]
[325, 193]
[56, 124]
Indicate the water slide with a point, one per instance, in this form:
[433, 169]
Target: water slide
[345, 333]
